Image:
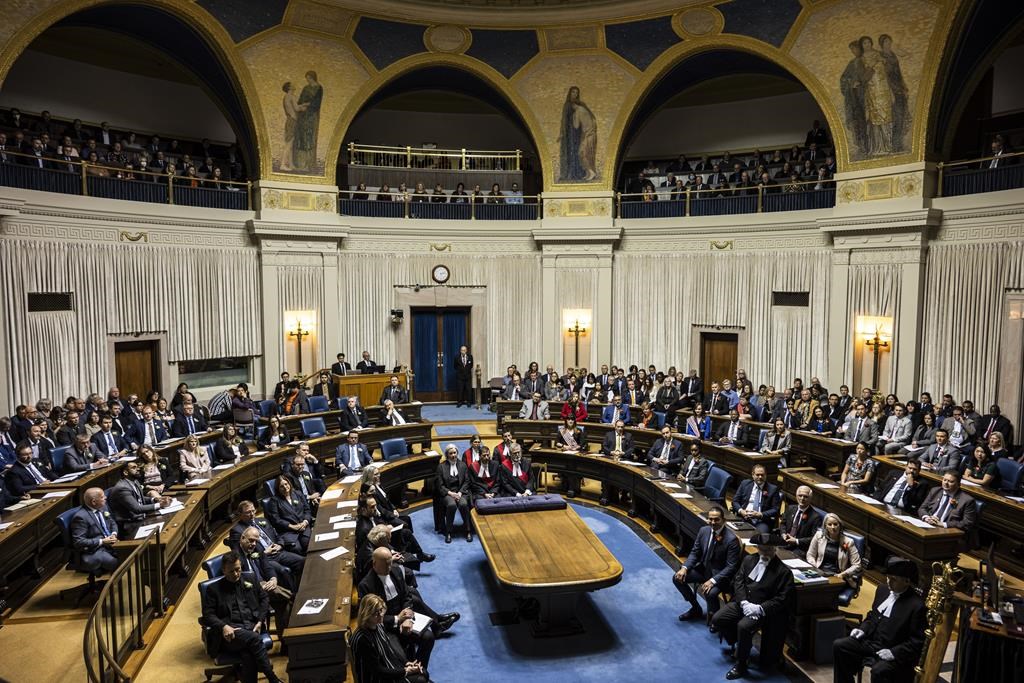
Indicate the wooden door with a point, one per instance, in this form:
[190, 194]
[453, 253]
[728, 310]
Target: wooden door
[136, 367]
[437, 334]
[718, 357]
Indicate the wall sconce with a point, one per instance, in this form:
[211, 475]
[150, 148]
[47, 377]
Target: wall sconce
[576, 321]
[298, 326]
[877, 334]
[397, 316]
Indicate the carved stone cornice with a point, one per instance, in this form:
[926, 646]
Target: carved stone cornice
[285, 233]
[66, 231]
[915, 219]
[572, 238]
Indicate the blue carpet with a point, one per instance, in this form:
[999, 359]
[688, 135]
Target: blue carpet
[455, 430]
[632, 630]
[449, 413]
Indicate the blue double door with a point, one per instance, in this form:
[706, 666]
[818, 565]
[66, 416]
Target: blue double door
[437, 334]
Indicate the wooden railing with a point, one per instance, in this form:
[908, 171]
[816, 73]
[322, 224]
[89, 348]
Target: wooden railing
[425, 157]
[128, 603]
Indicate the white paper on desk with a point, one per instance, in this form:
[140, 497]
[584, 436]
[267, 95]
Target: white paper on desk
[331, 554]
[796, 563]
[327, 536]
[330, 495]
[128, 458]
[67, 478]
[55, 494]
[339, 518]
[969, 483]
[313, 606]
[145, 530]
[572, 453]
[257, 453]
[227, 466]
[681, 495]
[632, 462]
[347, 503]
[172, 509]
[344, 525]
[751, 453]
[351, 479]
[824, 485]
[5, 524]
[196, 482]
[1018, 499]
[920, 523]
[670, 485]
[433, 453]
[420, 622]
[866, 499]
[911, 449]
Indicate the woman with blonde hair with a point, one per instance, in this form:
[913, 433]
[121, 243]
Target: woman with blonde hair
[377, 653]
[193, 460]
[833, 552]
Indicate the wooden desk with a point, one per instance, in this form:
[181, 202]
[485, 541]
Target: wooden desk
[684, 413]
[827, 452]
[367, 387]
[412, 412]
[227, 487]
[31, 530]
[550, 555]
[1002, 517]
[736, 461]
[101, 477]
[876, 521]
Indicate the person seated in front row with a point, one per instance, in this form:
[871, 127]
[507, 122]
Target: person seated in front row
[520, 480]
[800, 521]
[303, 482]
[891, 637]
[982, 469]
[485, 478]
[699, 424]
[453, 486]
[230, 447]
[695, 469]
[93, 532]
[615, 411]
[276, 583]
[835, 553]
[733, 432]
[763, 600]
[194, 459]
[236, 612]
[392, 415]
[571, 437]
[904, 490]
[268, 540]
[353, 416]
[26, 473]
[377, 652]
[290, 515]
[711, 565]
[949, 507]
[618, 443]
[351, 456]
[666, 453]
[758, 501]
[859, 470]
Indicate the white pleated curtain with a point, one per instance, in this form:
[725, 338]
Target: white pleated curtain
[205, 301]
[660, 298]
[301, 288]
[965, 287]
[874, 291]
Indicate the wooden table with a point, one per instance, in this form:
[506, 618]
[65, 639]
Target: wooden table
[877, 522]
[549, 555]
[367, 387]
[412, 412]
[829, 453]
[31, 530]
[1002, 517]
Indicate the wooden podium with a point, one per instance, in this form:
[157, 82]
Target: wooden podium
[367, 387]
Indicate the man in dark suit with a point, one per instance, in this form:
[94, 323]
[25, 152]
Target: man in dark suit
[81, 457]
[533, 383]
[147, 431]
[352, 456]
[7, 498]
[353, 416]
[486, 479]
[948, 507]
[464, 377]
[717, 403]
[93, 531]
[666, 453]
[341, 367]
[392, 415]
[800, 521]
[757, 501]
[733, 432]
[712, 564]
[453, 486]
[816, 135]
[8, 444]
[107, 442]
[394, 392]
[65, 435]
[130, 503]
[366, 366]
[21, 423]
[520, 479]
[618, 443]
[904, 490]
[26, 473]
[695, 469]
[281, 388]
[236, 611]
[763, 599]
[303, 482]
[267, 540]
[892, 634]
[187, 422]
[40, 447]
[276, 584]
[995, 422]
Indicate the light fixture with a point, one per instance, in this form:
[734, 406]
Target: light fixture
[576, 320]
[877, 334]
[299, 325]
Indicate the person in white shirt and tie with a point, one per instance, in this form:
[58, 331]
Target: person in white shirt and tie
[950, 508]
[352, 456]
[392, 415]
[93, 532]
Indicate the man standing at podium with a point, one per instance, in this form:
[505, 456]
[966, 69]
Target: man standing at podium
[341, 367]
[366, 366]
[464, 377]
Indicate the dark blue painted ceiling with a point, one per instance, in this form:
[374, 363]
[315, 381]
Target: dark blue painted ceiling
[640, 42]
[767, 20]
[245, 18]
[385, 42]
[505, 51]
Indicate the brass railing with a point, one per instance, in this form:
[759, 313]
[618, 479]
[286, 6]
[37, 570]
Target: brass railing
[128, 603]
[1009, 170]
[424, 205]
[782, 195]
[76, 176]
[735, 155]
[385, 156]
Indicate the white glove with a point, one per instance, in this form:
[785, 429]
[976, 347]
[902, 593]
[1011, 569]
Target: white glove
[857, 633]
[751, 610]
[885, 655]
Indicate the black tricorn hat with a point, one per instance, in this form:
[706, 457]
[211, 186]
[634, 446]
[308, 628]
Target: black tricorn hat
[900, 566]
[772, 539]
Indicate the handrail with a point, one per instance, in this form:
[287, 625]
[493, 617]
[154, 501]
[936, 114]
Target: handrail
[689, 195]
[954, 165]
[744, 152]
[410, 199]
[390, 156]
[138, 573]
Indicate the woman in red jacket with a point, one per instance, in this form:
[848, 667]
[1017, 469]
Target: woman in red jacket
[574, 408]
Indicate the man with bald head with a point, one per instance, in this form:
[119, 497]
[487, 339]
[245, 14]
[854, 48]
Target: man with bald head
[93, 532]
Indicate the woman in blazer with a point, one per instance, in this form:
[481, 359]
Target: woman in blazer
[377, 653]
[193, 460]
[777, 442]
[289, 514]
[574, 408]
[667, 396]
[833, 552]
[924, 435]
[274, 435]
[229, 446]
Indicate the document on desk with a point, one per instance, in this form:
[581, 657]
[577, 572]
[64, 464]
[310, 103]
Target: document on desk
[347, 503]
[1016, 499]
[345, 525]
[420, 622]
[327, 536]
[128, 458]
[915, 521]
[632, 462]
[330, 495]
[258, 453]
[56, 494]
[911, 449]
[196, 482]
[67, 477]
[796, 563]
[351, 479]
[681, 495]
[313, 606]
[227, 466]
[397, 527]
[6, 524]
[432, 453]
[751, 453]
[23, 504]
[970, 483]
[670, 485]
[145, 530]
[339, 518]
[174, 507]
[866, 499]
[331, 554]
[825, 485]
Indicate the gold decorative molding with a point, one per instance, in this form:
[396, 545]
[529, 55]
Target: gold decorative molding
[440, 247]
[447, 38]
[721, 246]
[571, 38]
[125, 236]
[271, 199]
[697, 22]
[898, 186]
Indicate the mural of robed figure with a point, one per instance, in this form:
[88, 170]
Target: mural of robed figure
[578, 144]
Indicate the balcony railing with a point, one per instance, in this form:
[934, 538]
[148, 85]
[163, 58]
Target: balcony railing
[97, 180]
[426, 157]
[785, 196]
[978, 175]
[507, 207]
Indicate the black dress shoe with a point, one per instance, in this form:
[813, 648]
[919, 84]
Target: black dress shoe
[426, 557]
[447, 538]
[738, 671]
[469, 538]
[446, 621]
[692, 613]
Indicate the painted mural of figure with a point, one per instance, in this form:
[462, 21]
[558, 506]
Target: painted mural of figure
[851, 84]
[894, 76]
[578, 140]
[291, 116]
[307, 124]
[878, 99]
